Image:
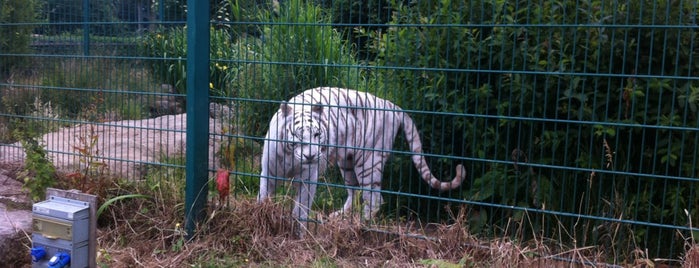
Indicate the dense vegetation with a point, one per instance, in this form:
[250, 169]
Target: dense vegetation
[566, 93]
[15, 35]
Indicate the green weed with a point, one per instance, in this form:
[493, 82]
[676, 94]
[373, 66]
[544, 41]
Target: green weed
[38, 172]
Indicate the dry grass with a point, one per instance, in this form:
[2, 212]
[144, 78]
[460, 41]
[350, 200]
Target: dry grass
[149, 233]
[691, 257]
[141, 233]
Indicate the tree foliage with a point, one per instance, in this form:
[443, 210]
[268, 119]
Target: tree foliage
[353, 18]
[305, 54]
[16, 17]
[67, 16]
[579, 88]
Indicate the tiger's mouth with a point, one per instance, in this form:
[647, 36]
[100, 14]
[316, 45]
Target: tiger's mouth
[307, 160]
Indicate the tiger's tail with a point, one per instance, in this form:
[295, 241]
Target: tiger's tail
[413, 137]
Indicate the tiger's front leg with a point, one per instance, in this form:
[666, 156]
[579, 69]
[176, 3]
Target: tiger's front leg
[306, 190]
[267, 187]
[271, 169]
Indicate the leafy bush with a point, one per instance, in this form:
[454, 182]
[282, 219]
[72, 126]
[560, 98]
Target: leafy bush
[229, 43]
[15, 38]
[357, 17]
[597, 88]
[66, 16]
[170, 46]
[306, 53]
[73, 85]
[38, 172]
[245, 13]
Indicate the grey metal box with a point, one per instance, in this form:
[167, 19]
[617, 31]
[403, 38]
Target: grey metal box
[60, 218]
[63, 208]
[61, 225]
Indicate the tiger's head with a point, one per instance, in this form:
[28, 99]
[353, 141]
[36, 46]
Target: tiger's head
[305, 133]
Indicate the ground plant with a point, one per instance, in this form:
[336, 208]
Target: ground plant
[38, 172]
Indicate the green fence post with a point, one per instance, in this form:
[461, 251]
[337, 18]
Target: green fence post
[197, 113]
[161, 10]
[86, 28]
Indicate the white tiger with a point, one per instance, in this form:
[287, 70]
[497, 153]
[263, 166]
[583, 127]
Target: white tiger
[352, 129]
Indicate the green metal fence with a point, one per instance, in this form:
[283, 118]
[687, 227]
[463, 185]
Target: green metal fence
[576, 120]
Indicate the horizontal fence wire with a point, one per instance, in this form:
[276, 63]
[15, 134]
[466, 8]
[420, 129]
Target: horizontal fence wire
[575, 120]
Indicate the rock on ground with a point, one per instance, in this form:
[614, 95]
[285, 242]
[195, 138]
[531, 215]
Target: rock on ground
[15, 221]
[126, 147]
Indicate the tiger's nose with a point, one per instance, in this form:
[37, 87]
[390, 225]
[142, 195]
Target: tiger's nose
[308, 157]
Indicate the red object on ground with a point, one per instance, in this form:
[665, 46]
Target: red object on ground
[222, 184]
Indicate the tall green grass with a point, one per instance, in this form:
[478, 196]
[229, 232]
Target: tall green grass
[58, 91]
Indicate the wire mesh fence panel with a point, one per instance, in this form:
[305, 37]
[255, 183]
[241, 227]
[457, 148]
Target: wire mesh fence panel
[81, 79]
[575, 121]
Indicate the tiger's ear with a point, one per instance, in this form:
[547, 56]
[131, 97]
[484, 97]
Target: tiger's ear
[317, 108]
[286, 109]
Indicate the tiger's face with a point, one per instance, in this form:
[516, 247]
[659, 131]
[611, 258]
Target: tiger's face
[306, 135]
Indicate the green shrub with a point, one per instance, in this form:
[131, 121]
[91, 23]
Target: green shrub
[173, 10]
[245, 13]
[72, 85]
[131, 109]
[306, 53]
[170, 47]
[511, 61]
[15, 38]
[359, 17]
[38, 172]
[24, 109]
[66, 16]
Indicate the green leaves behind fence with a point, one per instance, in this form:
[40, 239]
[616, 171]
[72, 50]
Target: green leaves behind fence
[493, 65]
[305, 54]
[169, 46]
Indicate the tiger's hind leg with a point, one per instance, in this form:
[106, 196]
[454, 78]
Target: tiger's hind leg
[372, 200]
[369, 179]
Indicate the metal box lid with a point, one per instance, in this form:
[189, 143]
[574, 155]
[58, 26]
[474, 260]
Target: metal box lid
[63, 208]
